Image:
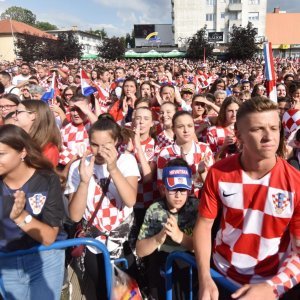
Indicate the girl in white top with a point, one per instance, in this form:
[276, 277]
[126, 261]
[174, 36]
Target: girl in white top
[115, 216]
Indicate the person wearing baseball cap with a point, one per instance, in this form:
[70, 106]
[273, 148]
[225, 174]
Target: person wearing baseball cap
[168, 227]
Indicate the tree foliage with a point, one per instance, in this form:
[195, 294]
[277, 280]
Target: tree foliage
[20, 14]
[70, 47]
[45, 26]
[242, 42]
[101, 32]
[32, 47]
[130, 40]
[197, 44]
[112, 48]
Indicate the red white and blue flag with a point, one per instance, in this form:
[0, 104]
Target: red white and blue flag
[86, 88]
[49, 94]
[270, 72]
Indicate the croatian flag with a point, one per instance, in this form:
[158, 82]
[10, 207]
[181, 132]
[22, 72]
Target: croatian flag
[49, 94]
[86, 88]
[269, 72]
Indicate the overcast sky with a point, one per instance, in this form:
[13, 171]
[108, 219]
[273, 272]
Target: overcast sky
[116, 16]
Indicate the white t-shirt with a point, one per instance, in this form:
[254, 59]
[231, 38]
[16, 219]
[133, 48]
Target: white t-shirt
[19, 78]
[112, 211]
[12, 90]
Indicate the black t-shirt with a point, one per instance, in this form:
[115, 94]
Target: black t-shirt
[44, 201]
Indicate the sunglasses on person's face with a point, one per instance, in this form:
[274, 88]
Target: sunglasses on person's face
[197, 103]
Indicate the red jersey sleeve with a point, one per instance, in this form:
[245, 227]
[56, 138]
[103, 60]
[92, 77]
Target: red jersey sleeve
[209, 201]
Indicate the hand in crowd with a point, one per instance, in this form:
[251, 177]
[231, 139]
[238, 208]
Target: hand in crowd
[172, 230]
[83, 106]
[86, 170]
[125, 106]
[208, 290]
[229, 140]
[259, 291]
[19, 204]
[110, 156]
[137, 138]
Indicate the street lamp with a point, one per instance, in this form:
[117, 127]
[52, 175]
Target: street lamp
[12, 32]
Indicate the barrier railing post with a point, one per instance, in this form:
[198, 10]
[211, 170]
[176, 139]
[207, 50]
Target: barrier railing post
[217, 277]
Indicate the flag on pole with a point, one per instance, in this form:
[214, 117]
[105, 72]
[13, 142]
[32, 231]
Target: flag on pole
[86, 88]
[269, 72]
[49, 94]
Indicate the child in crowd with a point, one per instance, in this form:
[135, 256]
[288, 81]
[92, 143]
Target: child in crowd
[167, 227]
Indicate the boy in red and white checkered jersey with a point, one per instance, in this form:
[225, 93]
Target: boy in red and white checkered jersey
[257, 192]
[75, 134]
[198, 155]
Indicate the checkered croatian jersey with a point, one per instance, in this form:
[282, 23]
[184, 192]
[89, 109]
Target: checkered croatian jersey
[162, 140]
[199, 152]
[291, 121]
[75, 141]
[113, 211]
[202, 136]
[257, 218]
[215, 138]
[147, 191]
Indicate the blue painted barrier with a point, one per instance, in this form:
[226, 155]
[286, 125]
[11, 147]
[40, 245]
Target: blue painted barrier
[189, 259]
[71, 243]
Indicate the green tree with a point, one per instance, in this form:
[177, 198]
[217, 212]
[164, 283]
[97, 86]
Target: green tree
[130, 40]
[197, 44]
[32, 47]
[112, 48]
[101, 32]
[242, 42]
[20, 14]
[69, 46]
[45, 26]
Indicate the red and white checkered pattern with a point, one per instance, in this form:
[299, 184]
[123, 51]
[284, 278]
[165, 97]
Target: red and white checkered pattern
[202, 136]
[162, 140]
[288, 275]
[199, 152]
[215, 138]
[44, 82]
[74, 138]
[291, 121]
[253, 241]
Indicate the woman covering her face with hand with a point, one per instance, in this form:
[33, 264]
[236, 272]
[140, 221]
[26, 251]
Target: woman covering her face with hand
[114, 218]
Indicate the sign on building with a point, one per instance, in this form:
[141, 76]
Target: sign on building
[215, 37]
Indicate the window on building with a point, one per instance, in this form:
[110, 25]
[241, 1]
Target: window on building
[253, 16]
[254, 2]
[210, 2]
[222, 15]
[234, 1]
[210, 17]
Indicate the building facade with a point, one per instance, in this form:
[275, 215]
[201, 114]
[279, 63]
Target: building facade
[189, 16]
[283, 31]
[87, 40]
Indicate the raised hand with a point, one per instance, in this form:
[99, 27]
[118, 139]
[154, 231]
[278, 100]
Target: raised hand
[172, 230]
[86, 170]
[110, 155]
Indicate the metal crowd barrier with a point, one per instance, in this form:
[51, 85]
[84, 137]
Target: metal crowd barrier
[71, 243]
[189, 259]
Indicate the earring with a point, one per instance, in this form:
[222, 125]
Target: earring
[22, 158]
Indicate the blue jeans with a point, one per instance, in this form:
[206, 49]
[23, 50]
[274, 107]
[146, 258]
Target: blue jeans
[33, 276]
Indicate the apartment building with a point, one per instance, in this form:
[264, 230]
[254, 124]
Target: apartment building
[188, 16]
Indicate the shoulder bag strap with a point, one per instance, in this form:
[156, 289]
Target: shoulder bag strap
[104, 191]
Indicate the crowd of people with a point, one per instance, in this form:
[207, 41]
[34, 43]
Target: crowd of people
[163, 155]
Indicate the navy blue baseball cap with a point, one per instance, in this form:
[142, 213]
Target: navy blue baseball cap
[177, 177]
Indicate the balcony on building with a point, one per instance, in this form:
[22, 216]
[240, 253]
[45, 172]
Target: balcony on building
[235, 5]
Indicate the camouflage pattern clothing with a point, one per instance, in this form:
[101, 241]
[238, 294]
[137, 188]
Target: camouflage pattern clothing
[157, 215]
